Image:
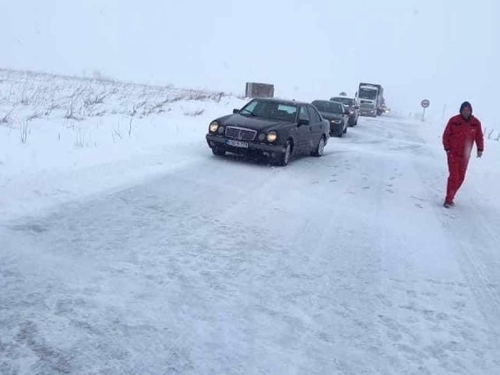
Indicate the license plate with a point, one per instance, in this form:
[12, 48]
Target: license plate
[230, 142]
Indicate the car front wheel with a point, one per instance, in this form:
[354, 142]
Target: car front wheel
[320, 149]
[284, 159]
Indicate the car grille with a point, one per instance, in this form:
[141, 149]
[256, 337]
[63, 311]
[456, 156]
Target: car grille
[240, 133]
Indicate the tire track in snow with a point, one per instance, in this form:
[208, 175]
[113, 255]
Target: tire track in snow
[475, 238]
[89, 219]
[334, 268]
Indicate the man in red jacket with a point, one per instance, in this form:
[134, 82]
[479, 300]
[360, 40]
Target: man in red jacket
[458, 138]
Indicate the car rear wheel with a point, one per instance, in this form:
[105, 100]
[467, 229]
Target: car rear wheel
[218, 152]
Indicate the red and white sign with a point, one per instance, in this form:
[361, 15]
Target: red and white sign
[425, 103]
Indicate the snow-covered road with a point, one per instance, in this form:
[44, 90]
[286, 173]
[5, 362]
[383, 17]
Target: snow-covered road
[346, 264]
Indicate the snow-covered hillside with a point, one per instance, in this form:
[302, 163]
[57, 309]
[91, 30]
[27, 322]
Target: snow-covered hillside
[64, 137]
[133, 250]
[31, 95]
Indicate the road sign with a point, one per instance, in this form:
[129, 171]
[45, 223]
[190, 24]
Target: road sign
[424, 103]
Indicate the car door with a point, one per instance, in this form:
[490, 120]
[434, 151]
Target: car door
[345, 116]
[356, 107]
[304, 132]
[317, 127]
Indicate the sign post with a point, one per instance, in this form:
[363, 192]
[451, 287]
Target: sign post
[424, 103]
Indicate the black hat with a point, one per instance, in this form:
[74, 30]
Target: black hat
[465, 105]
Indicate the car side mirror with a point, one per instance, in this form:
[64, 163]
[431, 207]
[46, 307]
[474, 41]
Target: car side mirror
[236, 111]
[303, 122]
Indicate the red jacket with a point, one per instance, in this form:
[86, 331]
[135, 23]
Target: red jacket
[460, 134]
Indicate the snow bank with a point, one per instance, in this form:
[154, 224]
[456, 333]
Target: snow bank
[64, 138]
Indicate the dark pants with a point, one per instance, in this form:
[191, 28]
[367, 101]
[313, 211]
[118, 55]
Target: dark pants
[457, 167]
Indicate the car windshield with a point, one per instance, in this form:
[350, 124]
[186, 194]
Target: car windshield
[270, 109]
[370, 94]
[345, 101]
[328, 107]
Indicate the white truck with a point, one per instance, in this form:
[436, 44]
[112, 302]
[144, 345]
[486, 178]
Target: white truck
[371, 99]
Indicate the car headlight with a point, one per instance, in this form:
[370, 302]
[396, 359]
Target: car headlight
[220, 130]
[262, 137]
[272, 136]
[213, 127]
[335, 121]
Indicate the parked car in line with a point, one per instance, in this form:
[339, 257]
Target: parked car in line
[277, 129]
[336, 114]
[352, 105]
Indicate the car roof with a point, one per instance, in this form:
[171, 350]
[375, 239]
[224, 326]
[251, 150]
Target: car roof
[341, 96]
[327, 101]
[283, 101]
[322, 100]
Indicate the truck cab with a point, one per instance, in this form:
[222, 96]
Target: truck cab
[371, 99]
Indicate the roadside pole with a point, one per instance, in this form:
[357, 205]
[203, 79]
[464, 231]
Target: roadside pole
[424, 103]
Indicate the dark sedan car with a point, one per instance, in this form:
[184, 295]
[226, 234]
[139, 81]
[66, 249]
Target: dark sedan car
[352, 105]
[278, 129]
[336, 114]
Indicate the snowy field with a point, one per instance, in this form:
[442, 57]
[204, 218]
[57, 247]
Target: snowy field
[64, 138]
[131, 249]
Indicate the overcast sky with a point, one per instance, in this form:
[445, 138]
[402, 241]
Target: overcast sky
[446, 51]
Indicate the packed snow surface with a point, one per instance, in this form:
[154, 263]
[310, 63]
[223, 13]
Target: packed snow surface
[126, 247]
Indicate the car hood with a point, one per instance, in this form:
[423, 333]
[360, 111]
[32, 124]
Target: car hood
[254, 123]
[331, 116]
